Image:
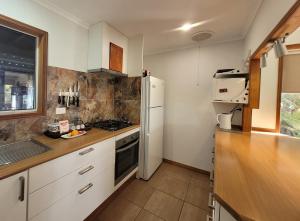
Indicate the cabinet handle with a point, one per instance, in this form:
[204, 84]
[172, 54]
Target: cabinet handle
[81, 191]
[211, 202]
[86, 151]
[22, 188]
[85, 170]
[209, 218]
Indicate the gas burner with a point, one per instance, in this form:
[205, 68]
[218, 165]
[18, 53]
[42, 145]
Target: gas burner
[112, 125]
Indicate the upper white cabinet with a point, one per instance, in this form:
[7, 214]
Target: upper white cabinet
[100, 37]
[135, 56]
[13, 197]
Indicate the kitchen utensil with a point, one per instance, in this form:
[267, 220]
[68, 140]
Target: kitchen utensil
[59, 97]
[63, 98]
[77, 94]
[224, 120]
[74, 95]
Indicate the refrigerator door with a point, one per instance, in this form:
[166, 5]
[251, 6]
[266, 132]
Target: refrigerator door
[156, 92]
[154, 141]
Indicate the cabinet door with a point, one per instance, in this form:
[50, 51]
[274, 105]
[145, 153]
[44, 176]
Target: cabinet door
[115, 58]
[81, 202]
[225, 215]
[13, 197]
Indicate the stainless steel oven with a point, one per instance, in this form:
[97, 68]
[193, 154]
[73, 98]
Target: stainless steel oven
[127, 155]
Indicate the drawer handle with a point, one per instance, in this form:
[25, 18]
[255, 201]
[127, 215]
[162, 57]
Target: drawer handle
[85, 170]
[86, 151]
[211, 202]
[209, 218]
[22, 188]
[81, 191]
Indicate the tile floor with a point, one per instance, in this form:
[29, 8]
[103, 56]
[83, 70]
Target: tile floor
[173, 193]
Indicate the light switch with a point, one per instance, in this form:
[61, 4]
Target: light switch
[60, 110]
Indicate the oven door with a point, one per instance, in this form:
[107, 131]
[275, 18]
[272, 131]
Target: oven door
[126, 160]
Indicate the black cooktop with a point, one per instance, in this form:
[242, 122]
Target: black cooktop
[112, 125]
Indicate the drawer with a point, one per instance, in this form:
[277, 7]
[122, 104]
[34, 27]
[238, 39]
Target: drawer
[48, 195]
[77, 206]
[55, 169]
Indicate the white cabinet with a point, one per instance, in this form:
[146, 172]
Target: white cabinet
[78, 204]
[220, 213]
[75, 184]
[100, 37]
[225, 215]
[13, 197]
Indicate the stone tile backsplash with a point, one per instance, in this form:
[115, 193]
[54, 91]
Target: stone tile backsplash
[101, 97]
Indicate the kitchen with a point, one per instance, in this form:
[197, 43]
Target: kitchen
[108, 110]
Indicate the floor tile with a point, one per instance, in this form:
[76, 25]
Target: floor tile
[121, 210]
[164, 205]
[176, 172]
[147, 216]
[192, 213]
[198, 196]
[200, 180]
[138, 192]
[172, 186]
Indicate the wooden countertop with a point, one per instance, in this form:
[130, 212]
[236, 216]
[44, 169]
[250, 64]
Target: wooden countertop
[60, 147]
[257, 176]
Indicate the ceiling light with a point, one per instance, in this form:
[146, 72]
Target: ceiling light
[186, 27]
[263, 60]
[189, 26]
[280, 48]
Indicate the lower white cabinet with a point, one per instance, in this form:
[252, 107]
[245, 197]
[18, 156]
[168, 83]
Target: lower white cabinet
[72, 193]
[13, 197]
[221, 214]
[77, 205]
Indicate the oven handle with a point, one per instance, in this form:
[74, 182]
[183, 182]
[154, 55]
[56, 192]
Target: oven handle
[127, 147]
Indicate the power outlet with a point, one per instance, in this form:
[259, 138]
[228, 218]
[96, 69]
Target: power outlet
[60, 110]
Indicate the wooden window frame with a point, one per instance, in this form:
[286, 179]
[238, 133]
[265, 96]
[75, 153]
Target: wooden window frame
[288, 24]
[42, 59]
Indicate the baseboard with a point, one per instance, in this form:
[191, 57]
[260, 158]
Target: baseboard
[93, 216]
[186, 166]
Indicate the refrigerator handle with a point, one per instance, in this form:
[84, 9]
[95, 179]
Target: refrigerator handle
[148, 122]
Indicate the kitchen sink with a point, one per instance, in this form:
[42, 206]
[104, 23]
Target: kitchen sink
[15, 152]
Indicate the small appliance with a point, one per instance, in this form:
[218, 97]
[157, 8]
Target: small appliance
[224, 120]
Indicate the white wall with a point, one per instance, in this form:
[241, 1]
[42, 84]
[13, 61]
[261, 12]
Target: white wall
[189, 113]
[68, 41]
[265, 116]
[268, 16]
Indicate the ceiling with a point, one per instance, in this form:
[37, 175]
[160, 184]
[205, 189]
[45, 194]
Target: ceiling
[156, 19]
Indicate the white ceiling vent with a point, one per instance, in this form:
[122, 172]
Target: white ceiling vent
[202, 35]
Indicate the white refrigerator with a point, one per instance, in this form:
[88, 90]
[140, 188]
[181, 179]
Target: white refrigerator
[152, 122]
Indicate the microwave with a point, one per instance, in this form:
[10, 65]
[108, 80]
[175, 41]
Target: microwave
[231, 90]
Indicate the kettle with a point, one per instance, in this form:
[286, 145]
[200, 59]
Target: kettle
[224, 120]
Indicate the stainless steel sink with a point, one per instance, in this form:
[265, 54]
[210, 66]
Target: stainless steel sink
[15, 152]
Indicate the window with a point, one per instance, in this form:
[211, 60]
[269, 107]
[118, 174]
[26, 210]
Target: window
[290, 114]
[23, 63]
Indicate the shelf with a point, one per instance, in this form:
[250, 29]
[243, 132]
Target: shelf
[108, 72]
[228, 102]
